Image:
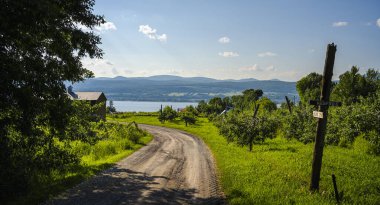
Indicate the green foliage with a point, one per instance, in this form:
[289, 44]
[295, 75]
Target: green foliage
[348, 122]
[217, 105]
[243, 128]
[111, 108]
[189, 115]
[202, 107]
[168, 113]
[266, 104]
[114, 142]
[352, 85]
[41, 48]
[299, 124]
[192, 110]
[81, 121]
[309, 87]
[247, 100]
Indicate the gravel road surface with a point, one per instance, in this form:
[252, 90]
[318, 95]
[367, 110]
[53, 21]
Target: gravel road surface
[174, 168]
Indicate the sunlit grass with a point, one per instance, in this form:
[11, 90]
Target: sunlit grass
[278, 171]
[48, 185]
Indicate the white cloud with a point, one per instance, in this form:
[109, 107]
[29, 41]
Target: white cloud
[107, 26]
[378, 22]
[224, 39]
[266, 54]
[162, 37]
[340, 24]
[270, 68]
[115, 71]
[228, 54]
[88, 62]
[128, 72]
[151, 33]
[255, 67]
[100, 67]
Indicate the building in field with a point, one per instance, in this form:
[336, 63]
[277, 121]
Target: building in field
[92, 97]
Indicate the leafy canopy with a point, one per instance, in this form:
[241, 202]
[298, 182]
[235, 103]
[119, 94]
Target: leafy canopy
[309, 87]
[41, 45]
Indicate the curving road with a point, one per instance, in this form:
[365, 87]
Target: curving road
[175, 168]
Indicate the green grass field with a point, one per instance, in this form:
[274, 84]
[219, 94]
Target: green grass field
[49, 185]
[278, 172]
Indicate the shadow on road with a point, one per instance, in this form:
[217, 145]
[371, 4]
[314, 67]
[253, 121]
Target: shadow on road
[124, 186]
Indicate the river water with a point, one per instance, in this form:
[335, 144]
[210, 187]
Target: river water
[145, 106]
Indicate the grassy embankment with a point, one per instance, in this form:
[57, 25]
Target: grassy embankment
[278, 171]
[93, 158]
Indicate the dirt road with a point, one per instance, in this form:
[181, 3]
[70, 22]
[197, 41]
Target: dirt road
[175, 168]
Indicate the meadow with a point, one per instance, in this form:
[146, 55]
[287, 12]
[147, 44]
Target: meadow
[278, 171]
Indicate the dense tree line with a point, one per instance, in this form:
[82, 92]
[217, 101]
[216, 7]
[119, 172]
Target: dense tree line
[358, 117]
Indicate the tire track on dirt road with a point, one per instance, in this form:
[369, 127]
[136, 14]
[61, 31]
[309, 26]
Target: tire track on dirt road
[174, 168]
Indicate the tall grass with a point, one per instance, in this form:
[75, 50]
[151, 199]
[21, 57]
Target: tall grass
[113, 143]
[278, 171]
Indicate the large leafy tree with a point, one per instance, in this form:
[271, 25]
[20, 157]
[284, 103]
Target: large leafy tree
[352, 85]
[309, 87]
[41, 45]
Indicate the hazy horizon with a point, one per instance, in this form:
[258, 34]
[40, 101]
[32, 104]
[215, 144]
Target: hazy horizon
[187, 77]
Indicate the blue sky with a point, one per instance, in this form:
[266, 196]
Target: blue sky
[235, 39]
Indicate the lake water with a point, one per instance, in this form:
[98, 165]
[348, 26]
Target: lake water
[144, 106]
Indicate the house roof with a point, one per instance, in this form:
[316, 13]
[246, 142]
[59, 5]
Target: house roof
[86, 95]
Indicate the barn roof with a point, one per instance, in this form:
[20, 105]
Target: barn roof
[85, 95]
[88, 95]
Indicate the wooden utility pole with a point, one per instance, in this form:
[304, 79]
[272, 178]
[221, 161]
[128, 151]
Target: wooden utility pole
[322, 122]
[254, 116]
[288, 103]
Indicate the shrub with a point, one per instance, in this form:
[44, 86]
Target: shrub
[300, 125]
[80, 148]
[246, 130]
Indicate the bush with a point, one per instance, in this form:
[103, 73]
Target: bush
[105, 148]
[300, 125]
[167, 114]
[242, 128]
[79, 148]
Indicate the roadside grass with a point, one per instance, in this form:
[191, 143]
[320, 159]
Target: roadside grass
[278, 171]
[94, 159]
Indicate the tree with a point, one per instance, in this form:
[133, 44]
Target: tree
[252, 94]
[309, 87]
[216, 105]
[266, 104]
[202, 107]
[352, 85]
[111, 108]
[41, 45]
[192, 110]
[188, 116]
[247, 100]
[246, 130]
[167, 114]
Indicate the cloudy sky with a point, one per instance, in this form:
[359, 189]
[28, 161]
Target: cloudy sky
[235, 39]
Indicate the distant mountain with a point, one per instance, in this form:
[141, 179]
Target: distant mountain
[185, 89]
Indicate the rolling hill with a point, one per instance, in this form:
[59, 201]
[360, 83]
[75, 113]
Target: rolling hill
[183, 89]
